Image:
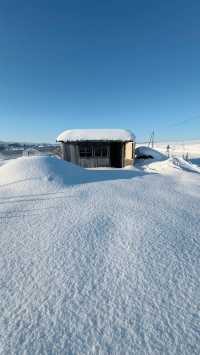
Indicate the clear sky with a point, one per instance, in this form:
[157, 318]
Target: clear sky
[99, 64]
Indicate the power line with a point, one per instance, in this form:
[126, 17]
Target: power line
[197, 117]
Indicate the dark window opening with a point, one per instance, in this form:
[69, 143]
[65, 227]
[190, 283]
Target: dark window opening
[116, 154]
[85, 151]
[97, 151]
[104, 152]
[100, 151]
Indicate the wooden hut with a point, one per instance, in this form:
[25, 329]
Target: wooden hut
[98, 147]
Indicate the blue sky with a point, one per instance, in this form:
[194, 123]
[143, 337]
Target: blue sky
[99, 64]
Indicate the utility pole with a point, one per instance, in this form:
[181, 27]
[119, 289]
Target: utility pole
[151, 140]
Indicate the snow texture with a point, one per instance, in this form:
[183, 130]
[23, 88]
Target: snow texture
[99, 261]
[185, 165]
[96, 135]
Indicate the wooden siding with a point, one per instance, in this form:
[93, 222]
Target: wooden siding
[70, 152]
[129, 153]
[94, 162]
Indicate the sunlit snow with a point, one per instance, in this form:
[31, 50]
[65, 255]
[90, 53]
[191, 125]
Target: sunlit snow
[99, 261]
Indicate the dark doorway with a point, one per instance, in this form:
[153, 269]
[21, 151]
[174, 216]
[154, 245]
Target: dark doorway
[116, 154]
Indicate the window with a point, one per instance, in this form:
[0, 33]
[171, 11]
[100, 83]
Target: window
[93, 151]
[85, 151]
[104, 152]
[100, 151]
[97, 151]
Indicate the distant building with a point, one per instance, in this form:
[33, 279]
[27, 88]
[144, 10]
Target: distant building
[98, 147]
[30, 152]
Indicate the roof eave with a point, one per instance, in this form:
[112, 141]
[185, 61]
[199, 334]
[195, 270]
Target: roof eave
[96, 141]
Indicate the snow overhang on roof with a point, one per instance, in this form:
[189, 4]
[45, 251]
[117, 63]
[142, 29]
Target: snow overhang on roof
[78, 135]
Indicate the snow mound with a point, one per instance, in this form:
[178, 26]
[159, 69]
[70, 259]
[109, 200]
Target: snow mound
[38, 173]
[185, 165]
[75, 135]
[143, 152]
[168, 166]
[43, 168]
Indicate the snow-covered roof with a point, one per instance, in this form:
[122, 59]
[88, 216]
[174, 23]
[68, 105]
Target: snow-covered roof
[75, 135]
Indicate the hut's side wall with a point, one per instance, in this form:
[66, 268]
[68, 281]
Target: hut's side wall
[63, 151]
[129, 153]
[133, 153]
[70, 152]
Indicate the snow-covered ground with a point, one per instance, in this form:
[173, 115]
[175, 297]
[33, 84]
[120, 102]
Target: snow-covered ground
[181, 148]
[99, 261]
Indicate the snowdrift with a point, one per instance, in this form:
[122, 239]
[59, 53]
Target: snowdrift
[172, 165]
[184, 165]
[41, 172]
[143, 152]
[43, 168]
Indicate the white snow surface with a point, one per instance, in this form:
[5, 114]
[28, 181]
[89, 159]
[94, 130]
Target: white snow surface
[99, 261]
[180, 162]
[180, 148]
[74, 135]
